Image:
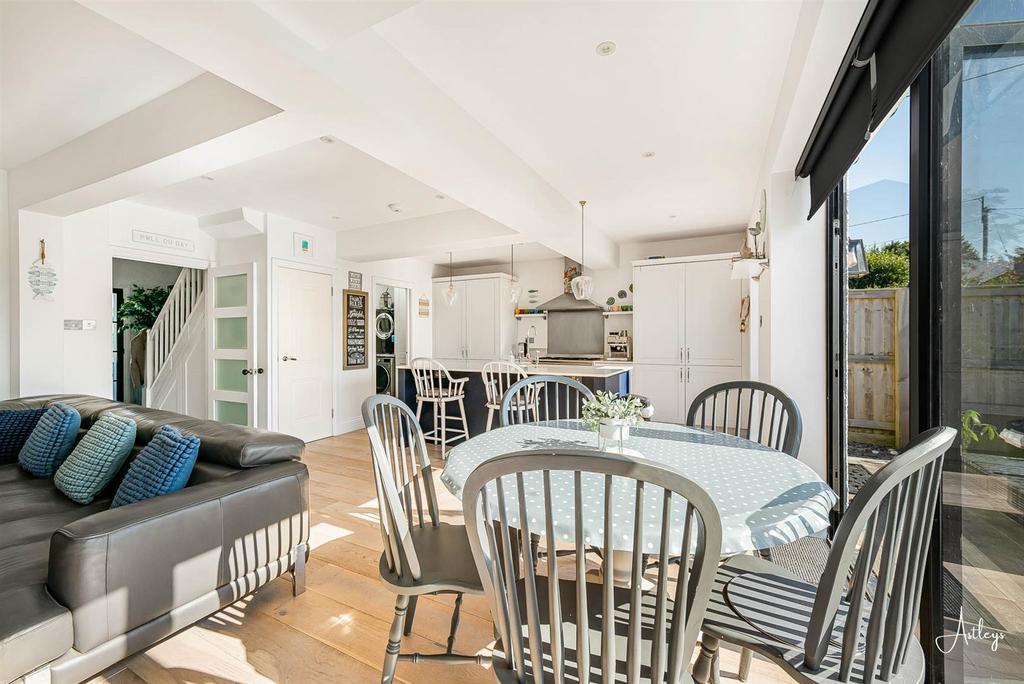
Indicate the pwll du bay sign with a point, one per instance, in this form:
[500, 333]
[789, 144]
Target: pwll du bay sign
[42, 279]
[144, 237]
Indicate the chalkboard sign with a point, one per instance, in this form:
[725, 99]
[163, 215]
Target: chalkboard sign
[355, 331]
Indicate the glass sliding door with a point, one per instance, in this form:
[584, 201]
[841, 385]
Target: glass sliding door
[978, 122]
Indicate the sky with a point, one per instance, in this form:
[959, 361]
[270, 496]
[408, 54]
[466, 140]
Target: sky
[991, 109]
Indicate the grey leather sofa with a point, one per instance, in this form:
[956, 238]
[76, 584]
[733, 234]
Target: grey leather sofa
[83, 587]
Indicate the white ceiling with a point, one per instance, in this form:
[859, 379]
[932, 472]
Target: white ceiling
[497, 256]
[66, 70]
[694, 82]
[311, 182]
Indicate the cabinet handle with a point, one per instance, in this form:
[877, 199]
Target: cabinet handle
[681, 376]
[687, 375]
[687, 355]
[680, 354]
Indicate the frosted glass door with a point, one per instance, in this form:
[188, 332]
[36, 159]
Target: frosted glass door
[231, 316]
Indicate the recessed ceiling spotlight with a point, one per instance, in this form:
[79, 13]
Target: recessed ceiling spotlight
[647, 155]
[395, 207]
[210, 178]
[326, 139]
[672, 216]
[335, 217]
[606, 48]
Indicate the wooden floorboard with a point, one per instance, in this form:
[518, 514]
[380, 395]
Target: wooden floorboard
[337, 630]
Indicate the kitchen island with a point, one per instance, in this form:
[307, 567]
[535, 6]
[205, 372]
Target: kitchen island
[607, 376]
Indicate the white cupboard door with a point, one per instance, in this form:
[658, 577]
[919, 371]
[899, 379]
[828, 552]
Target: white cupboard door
[448, 322]
[482, 310]
[712, 318]
[231, 328]
[657, 324]
[305, 391]
[662, 385]
[699, 378]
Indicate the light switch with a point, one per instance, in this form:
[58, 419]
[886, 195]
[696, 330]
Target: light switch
[88, 324]
[72, 324]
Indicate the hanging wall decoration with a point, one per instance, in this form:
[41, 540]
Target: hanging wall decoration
[355, 332]
[42, 278]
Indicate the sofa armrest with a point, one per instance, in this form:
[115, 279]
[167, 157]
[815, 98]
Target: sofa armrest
[121, 568]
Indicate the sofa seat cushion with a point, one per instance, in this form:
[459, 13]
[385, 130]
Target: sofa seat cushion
[31, 510]
[34, 629]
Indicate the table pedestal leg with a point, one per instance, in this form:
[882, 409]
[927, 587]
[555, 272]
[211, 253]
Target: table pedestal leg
[705, 670]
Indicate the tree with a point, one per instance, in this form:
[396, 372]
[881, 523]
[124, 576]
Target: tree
[888, 266]
[141, 307]
[968, 252]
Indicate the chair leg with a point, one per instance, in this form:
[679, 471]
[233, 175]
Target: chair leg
[465, 425]
[490, 418]
[444, 429]
[707, 660]
[410, 615]
[455, 623]
[299, 570]
[394, 641]
[746, 657]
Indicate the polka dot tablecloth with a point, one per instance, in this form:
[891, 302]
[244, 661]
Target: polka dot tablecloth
[765, 497]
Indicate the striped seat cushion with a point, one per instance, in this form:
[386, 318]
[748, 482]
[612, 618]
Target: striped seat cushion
[96, 459]
[15, 427]
[51, 440]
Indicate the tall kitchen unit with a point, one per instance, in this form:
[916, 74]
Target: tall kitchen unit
[480, 325]
[686, 328]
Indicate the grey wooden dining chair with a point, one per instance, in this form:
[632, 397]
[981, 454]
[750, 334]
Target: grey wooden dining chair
[754, 410]
[558, 629]
[857, 623]
[421, 555]
[498, 376]
[543, 397]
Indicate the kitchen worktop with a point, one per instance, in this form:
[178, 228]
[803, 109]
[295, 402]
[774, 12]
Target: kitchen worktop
[600, 369]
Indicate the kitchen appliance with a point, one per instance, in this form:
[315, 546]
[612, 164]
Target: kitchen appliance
[619, 346]
[384, 331]
[386, 375]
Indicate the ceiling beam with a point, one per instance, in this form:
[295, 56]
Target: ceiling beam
[451, 231]
[376, 101]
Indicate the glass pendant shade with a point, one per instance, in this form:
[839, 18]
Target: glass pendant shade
[582, 287]
[515, 291]
[451, 295]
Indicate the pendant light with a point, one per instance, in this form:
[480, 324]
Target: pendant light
[451, 294]
[582, 285]
[515, 290]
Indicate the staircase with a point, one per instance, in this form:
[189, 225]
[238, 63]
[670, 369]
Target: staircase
[176, 349]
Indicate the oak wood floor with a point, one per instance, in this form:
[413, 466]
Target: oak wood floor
[336, 631]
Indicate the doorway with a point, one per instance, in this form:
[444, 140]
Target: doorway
[305, 371]
[390, 335]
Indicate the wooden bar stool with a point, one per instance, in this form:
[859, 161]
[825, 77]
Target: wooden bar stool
[436, 386]
[498, 377]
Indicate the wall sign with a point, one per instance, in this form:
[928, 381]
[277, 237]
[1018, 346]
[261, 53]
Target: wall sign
[355, 280]
[424, 307]
[355, 340]
[180, 244]
[302, 245]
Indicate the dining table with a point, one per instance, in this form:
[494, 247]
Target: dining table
[764, 497]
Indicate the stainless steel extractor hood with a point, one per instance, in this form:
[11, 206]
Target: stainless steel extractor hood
[567, 302]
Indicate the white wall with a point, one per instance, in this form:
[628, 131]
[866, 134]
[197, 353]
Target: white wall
[355, 385]
[6, 258]
[41, 324]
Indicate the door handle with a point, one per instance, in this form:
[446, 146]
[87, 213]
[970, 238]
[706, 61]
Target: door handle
[252, 371]
[288, 358]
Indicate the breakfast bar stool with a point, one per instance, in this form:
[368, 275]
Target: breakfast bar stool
[435, 385]
[498, 377]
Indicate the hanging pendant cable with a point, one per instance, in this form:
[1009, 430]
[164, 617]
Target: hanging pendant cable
[583, 207]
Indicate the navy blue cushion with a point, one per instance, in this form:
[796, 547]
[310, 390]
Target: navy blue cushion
[15, 427]
[51, 440]
[163, 466]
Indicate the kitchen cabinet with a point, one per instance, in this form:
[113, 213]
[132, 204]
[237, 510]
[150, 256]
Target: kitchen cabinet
[686, 318]
[480, 325]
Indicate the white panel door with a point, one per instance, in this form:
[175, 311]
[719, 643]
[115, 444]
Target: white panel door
[657, 314]
[482, 311]
[699, 378]
[663, 386]
[449, 322]
[712, 314]
[304, 360]
[231, 329]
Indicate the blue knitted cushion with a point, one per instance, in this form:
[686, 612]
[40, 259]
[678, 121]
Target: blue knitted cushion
[163, 466]
[51, 440]
[96, 458]
[15, 427]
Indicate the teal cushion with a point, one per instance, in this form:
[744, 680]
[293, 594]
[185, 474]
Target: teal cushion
[96, 459]
[51, 441]
[163, 466]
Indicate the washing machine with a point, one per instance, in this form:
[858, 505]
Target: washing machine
[386, 375]
[384, 331]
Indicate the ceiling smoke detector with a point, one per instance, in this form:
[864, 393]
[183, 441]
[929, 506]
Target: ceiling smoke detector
[647, 155]
[326, 139]
[606, 48]
[439, 196]
[395, 207]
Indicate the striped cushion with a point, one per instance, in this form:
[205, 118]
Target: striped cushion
[15, 427]
[163, 466]
[51, 440]
[96, 459]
